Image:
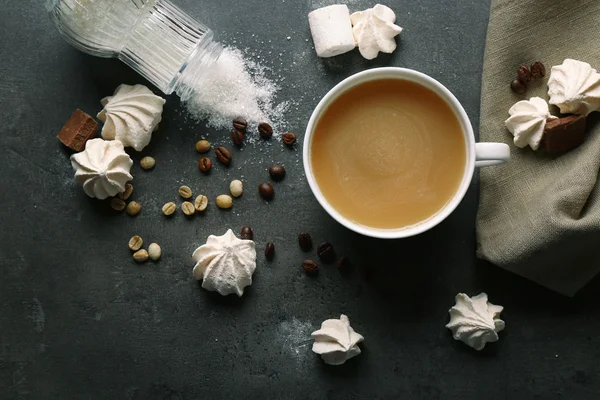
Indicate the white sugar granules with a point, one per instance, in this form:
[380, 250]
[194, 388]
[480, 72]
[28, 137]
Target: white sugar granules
[237, 87]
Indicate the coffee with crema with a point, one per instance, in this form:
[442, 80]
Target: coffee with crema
[388, 154]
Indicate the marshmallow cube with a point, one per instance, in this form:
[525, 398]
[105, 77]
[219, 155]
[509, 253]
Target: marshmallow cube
[331, 30]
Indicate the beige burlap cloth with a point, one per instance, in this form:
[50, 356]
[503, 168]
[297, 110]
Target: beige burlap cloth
[539, 216]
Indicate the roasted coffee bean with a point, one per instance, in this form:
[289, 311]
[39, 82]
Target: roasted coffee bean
[237, 137]
[310, 267]
[326, 253]
[305, 241]
[266, 191]
[538, 70]
[223, 155]
[518, 86]
[205, 165]
[289, 138]
[344, 264]
[240, 124]
[247, 233]
[265, 130]
[277, 172]
[270, 251]
[524, 73]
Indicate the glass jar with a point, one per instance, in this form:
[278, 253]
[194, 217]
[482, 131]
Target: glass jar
[154, 37]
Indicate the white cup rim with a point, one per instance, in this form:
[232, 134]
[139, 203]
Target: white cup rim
[440, 90]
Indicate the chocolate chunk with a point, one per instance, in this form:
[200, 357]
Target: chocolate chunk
[564, 134]
[78, 130]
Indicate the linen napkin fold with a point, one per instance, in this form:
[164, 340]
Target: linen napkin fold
[539, 216]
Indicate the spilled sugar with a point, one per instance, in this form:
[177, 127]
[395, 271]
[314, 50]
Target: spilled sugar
[236, 86]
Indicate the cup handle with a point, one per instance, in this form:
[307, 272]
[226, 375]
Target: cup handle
[487, 154]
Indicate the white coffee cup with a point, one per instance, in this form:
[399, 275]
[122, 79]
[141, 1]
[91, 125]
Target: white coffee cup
[477, 154]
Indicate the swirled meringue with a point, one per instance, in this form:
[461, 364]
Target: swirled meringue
[102, 168]
[130, 115]
[475, 321]
[574, 86]
[527, 121]
[374, 31]
[225, 264]
[336, 341]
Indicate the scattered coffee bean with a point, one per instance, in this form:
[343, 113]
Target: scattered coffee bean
[344, 264]
[524, 74]
[140, 256]
[277, 172]
[269, 251]
[135, 243]
[224, 201]
[185, 192]
[247, 233]
[205, 165]
[117, 204]
[265, 130]
[154, 252]
[289, 138]
[326, 253]
[237, 137]
[266, 191]
[127, 193]
[169, 208]
[133, 208]
[538, 70]
[305, 241]
[240, 124]
[201, 203]
[310, 267]
[147, 162]
[202, 146]
[518, 86]
[223, 155]
[236, 188]
[188, 208]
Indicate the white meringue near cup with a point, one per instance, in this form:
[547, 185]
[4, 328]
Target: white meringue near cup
[130, 115]
[475, 321]
[527, 122]
[336, 342]
[102, 168]
[574, 86]
[331, 30]
[374, 31]
[225, 264]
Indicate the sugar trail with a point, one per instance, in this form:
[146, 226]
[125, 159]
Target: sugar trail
[236, 86]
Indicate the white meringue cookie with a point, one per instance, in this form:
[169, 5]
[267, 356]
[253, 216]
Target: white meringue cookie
[102, 168]
[574, 86]
[130, 115]
[475, 321]
[527, 121]
[225, 264]
[374, 31]
[336, 341]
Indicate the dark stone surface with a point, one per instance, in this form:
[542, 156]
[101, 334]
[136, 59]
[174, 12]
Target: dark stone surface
[79, 319]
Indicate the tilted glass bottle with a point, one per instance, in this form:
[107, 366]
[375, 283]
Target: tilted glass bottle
[154, 37]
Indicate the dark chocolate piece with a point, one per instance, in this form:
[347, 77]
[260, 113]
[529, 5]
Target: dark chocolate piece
[78, 130]
[564, 134]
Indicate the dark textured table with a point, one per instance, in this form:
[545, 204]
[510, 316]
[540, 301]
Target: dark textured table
[79, 319]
